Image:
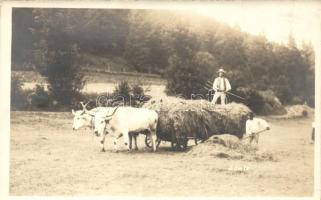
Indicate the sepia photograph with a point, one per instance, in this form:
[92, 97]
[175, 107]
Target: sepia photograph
[165, 99]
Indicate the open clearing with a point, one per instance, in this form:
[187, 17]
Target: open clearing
[48, 158]
[100, 83]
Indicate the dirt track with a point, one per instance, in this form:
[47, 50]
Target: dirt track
[48, 158]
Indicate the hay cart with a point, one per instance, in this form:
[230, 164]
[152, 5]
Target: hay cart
[178, 140]
[180, 120]
[177, 143]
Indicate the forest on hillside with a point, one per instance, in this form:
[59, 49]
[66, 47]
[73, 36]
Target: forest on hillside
[187, 50]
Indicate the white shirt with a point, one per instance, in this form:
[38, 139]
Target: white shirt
[256, 125]
[219, 84]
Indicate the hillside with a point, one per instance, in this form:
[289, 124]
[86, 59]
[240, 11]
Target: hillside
[98, 69]
[185, 48]
[92, 62]
[102, 74]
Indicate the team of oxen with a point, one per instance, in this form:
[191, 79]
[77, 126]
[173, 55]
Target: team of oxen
[126, 122]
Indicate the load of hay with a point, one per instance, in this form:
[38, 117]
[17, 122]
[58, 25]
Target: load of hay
[230, 147]
[179, 118]
[298, 111]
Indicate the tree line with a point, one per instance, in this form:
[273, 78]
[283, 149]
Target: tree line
[187, 50]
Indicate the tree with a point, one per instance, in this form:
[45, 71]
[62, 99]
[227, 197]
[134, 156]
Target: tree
[65, 80]
[163, 42]
[18, 96]
[22, 39]
[189, 69]
[259, 62]
[187, 78]
[308, 56]
[56, 54]
[145, 48]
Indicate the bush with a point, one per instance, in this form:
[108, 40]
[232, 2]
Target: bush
[18, 96]
[260, 102]
[40, 98]
[137, 90]
[37, 98]
[252, 99]
[272, 104]
[122, 92]
[138, 96]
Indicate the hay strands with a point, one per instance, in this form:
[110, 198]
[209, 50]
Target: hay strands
[181, 120]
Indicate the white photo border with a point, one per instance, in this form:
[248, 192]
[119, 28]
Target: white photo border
[5, 81]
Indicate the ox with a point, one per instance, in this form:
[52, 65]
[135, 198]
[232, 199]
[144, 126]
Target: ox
[85, 118]
[124, 120]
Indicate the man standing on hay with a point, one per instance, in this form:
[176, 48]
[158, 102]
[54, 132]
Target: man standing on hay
[221, 85]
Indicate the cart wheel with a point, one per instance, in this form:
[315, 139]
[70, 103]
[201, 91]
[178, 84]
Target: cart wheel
[148, 142]
[181, 144]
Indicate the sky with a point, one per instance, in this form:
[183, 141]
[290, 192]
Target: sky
[276, 20]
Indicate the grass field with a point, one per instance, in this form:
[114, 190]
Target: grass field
[48, 158]
[96, 82]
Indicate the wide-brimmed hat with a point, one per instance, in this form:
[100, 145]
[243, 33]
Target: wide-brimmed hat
[221, 70]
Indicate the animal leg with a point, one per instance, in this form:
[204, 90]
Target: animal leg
[135, 140]
[126, 140]
[102, 142]
[115, 144]
[153, 138]
[130, 139]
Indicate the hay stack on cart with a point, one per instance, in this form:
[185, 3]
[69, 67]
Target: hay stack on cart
[180, 120]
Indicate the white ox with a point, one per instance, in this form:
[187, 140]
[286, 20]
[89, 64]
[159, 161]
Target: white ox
[85, 118]
[124, 120]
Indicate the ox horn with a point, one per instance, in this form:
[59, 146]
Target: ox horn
[84, 105]
[112, 113]
[85, 109]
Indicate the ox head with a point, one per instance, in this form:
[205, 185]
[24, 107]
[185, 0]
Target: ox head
[101, 123]
[81, 117]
